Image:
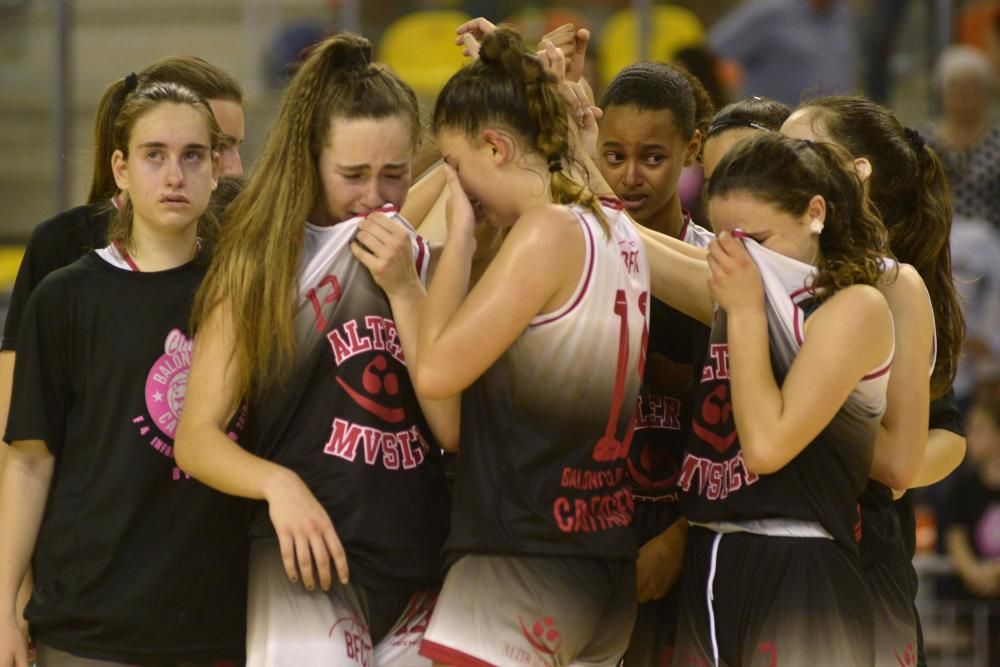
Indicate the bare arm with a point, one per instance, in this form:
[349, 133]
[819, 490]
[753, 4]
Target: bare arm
[776, 423]
[945, 452]
[386, 252]
[463, 332]
[982, 578]
[678, 275]
[26, 478]
[902, 439]
[660, 561]
[204, 451]
[423, 195]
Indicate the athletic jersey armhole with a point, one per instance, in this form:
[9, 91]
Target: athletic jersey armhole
[883, 368]
[582, 284]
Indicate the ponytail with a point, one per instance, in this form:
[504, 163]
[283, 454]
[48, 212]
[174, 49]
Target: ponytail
[909, 188]
[265, 224]
[200, 77]
[102, 180]
[508, 85]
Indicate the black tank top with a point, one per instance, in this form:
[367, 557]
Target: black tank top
[348, 423]
[822, 483]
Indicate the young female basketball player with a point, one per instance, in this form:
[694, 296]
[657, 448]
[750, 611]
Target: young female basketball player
[291, 321]
[63, 239]
[738, 121]
[541, 551]
[909, 188]
[652, 124]
[786, 413]
[134, 562]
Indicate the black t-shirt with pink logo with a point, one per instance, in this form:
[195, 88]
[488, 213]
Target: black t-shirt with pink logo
[348, 422]
[134, 562]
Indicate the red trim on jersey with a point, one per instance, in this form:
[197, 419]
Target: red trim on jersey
[450, 656]
[586, 282]
[796, 313]
[387, 208]
[421, 252]
[687, 223]
[612, 202]
[128, 259]
[879, 373]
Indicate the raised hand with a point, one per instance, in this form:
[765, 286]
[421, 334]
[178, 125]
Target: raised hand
[384, 247]
[573, 43]
[471, 33]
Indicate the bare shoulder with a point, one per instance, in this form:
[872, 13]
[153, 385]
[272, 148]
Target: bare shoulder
[906, 292]
[545, 229]
[857, 313]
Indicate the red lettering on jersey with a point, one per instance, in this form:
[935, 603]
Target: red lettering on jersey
[343, 440]
[376, 325]
[358, 345]
[598, 512]
[659, 412]
[716, 480]
[629, 250]
[332, 296]
[718, 367]
[379, 334]
[403, 449]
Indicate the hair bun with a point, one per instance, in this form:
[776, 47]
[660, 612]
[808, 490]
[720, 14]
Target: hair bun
[350, 51]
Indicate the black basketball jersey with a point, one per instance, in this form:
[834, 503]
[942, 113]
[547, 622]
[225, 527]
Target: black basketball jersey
[822, 483]
[545, 431]
[676, 350]
[348, 422]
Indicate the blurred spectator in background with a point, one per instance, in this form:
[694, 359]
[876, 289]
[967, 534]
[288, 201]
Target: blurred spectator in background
[975, 263]
[972, 536]
[968, 143]
[966, 139]
[789, 47]
[885, 18]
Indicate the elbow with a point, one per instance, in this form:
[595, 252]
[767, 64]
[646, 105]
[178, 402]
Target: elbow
[432, 384]
[760, 458]
[183, 448]
[449, 443]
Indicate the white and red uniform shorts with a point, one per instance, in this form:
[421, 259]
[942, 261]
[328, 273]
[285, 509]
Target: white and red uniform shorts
[523, 611]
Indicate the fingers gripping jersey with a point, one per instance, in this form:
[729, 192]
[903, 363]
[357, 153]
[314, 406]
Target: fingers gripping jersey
[348, 422]
[822, 483]
[545, 431]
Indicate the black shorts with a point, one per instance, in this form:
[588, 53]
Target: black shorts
[892, 582]
[652, 642]
[765, 601]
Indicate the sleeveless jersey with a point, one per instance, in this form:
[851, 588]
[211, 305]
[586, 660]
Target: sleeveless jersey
[822, 483]
[348, 423]
[546, 429]
[675, 353]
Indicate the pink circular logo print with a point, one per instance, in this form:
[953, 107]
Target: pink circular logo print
[166, 383]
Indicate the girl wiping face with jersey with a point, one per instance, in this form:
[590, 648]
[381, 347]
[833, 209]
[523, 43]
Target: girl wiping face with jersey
[309, 313]
[546, 350]
[787, 409]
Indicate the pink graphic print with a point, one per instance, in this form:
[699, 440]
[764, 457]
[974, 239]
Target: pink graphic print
[166, 383]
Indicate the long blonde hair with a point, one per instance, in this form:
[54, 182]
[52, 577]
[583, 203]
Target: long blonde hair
[256, 268]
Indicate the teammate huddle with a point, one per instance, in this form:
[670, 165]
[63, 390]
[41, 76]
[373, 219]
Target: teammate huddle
[611, 374]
